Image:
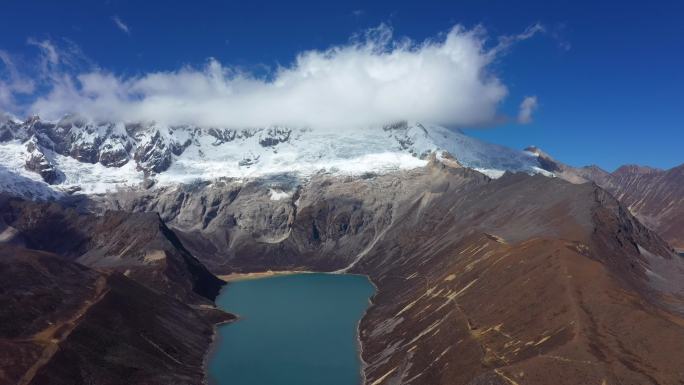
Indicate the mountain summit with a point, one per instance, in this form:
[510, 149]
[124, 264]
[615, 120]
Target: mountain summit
[74, 153]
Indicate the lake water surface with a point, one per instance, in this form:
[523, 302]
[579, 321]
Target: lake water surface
[294, 330]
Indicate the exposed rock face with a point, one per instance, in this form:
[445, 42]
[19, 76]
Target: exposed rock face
[114, 152]
[110, 144]
[561, 170]
[222, 135]
[274, 136]
[39, 163]
[523, 279]
[154, 152]
[654, 196]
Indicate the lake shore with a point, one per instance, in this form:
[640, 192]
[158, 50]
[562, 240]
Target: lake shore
[234, 277]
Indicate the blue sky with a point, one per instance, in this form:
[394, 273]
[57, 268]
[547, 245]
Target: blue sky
[607, 77]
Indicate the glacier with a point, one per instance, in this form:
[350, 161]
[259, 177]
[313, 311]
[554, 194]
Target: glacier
[91, 158]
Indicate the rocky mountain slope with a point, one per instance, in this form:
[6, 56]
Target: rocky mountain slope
[138, 245]
[516, 279]
[521, 279]
[655, 196]
[99, 300]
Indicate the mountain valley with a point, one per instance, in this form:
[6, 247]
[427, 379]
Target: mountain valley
[492, 266]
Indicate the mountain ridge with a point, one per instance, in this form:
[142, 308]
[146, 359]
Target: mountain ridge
[655, 196]
[100, 299]
[94, 157]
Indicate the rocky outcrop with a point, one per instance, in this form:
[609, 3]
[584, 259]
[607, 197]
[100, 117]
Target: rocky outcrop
[559, 169]
[153, 154]
[222, 135]
[274, 136]
[38, 162]
[110, 144]
[114, 152]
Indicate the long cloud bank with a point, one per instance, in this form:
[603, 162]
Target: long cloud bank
[372, 80]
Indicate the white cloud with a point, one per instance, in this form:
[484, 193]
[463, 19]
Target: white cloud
[121, 25]
[49, 56]
[527, 107]
[372, 80]
[507, 41]
[50, 52]
[12, 82]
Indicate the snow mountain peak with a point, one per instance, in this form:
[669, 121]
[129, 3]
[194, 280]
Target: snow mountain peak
[73, 153]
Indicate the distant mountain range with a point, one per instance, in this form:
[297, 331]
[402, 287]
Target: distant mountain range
[655, 196]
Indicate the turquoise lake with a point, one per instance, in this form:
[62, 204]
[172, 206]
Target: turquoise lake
[296, 329]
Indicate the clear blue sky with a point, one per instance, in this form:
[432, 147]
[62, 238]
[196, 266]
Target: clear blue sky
[608, 76]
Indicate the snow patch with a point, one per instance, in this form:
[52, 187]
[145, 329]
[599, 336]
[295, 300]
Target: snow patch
[277, 195]
[492, 173]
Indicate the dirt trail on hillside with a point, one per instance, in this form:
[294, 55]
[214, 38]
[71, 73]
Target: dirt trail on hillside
[53, 335]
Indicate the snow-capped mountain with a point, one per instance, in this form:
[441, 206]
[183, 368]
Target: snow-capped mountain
[73, 153]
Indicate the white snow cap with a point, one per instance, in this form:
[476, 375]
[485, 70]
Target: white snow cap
[301, 153]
